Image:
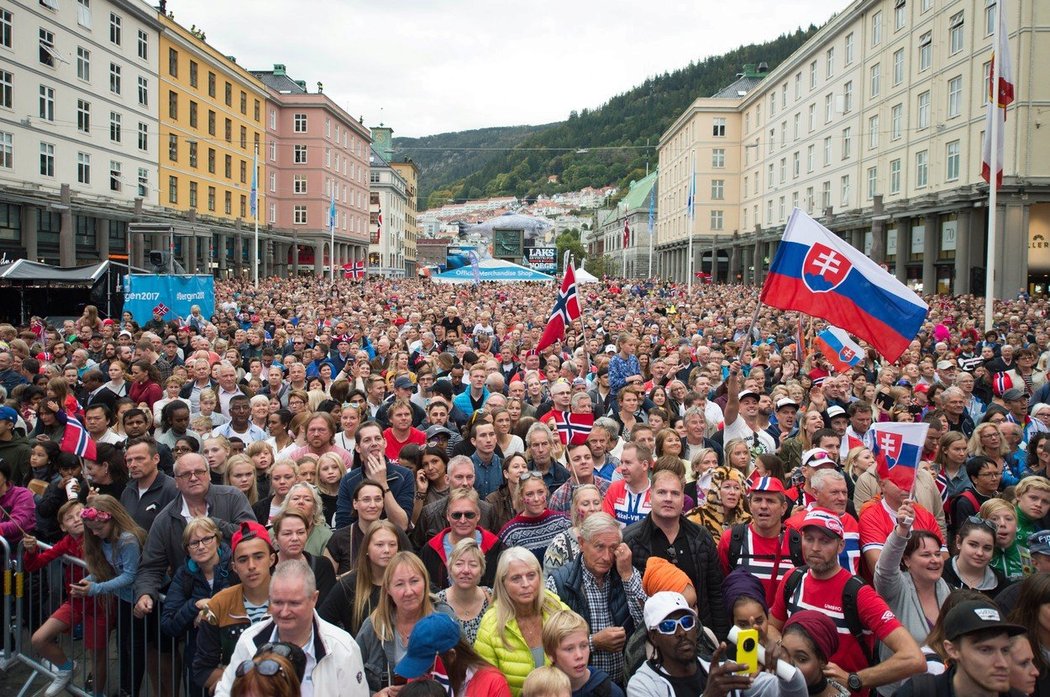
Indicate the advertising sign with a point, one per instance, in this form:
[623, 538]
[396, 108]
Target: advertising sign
[542, 259]
[172, 295]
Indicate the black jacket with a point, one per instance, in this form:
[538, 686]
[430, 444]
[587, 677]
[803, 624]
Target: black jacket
[702, 550]
[569, 581]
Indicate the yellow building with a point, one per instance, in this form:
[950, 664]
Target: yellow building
[211, 122]
[410, 172]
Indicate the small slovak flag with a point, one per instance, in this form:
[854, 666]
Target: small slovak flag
[573, 428]
[566, 309]
[898, 449]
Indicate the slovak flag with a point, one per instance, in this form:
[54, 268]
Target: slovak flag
[816, 272]
[566, 309]
[573, 428]
[898, 448]
[841, 351]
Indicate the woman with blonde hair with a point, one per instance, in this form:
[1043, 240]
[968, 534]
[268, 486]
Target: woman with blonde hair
[291, 529]
[987, 440]
[468, 599]
[330, 471]
[511, 633]
[586, 499]
[505, 501]
[207, 406]
[701, 468]
[357, 593]
[858, 461]
[216, 451]
[262, 456]
[403, 601]
[668, 442]
[240, 474]
[791, 449]
[304, 498]
[738, 455]
[283, 474]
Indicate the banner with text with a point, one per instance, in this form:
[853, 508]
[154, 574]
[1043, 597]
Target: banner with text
[542, 259]
[171, 295]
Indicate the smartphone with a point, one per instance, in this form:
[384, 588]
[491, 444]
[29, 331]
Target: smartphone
[747, 651]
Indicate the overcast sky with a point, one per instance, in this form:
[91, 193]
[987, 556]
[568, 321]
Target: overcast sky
[451, 65]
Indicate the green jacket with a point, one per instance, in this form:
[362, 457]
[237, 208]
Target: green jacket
[16, 451]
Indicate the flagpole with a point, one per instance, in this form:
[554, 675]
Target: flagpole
[993, 169]
[692, 218]
[255, 178]
[331, 232]
[626, 241]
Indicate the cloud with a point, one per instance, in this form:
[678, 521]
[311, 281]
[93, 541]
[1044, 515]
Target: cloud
[431, 67]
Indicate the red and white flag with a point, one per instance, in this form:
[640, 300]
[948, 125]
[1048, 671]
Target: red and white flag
[626, 234]
[1000, 95]
[566, 309]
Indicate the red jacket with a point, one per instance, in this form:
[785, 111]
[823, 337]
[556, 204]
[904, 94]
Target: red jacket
[68, 546]
[436, 562]
[148, 392]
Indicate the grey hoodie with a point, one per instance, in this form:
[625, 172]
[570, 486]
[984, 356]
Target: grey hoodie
[649, 682]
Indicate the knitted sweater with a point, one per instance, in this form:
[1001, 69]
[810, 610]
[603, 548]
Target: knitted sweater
[534, 533]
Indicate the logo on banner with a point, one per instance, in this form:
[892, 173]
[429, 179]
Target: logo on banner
[890, 445]
[847, 354]
[824, 269]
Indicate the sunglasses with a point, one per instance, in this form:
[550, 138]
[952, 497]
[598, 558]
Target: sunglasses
[525, 476]
[268, 667]
[460, 515]
[95, 514]
[670, 626]
[978, 520]
[278, 647]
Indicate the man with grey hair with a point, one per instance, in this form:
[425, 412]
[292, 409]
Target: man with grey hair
[829, 488]
[228, 386]
[333, 658]
[432, 520]
[953, 402]
[539, 442]
[604, 436]
[603, 587]
[201, 372]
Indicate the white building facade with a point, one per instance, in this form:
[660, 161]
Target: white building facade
[388, 204]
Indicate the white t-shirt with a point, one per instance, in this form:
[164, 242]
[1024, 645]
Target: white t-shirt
[740, 429]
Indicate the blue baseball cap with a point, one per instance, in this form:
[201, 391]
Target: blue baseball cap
[8, 414]
[433, 635]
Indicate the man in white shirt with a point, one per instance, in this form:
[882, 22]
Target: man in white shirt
[240, 425]
[741, 416]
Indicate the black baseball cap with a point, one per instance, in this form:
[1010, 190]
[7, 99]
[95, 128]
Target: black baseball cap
[977, 616]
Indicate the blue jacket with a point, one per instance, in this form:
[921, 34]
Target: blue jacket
[462, 401]
[188, 585]
[487, 478]
[399, 480]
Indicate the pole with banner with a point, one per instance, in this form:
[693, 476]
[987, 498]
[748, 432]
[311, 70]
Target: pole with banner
[652, 222]
[331, 232]
[255, 214]
[691, 202]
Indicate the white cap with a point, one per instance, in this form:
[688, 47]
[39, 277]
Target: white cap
[610, 349]
[786, 402]
[817, 457]
[663, 604]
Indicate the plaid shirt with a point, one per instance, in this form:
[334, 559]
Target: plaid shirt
[561, 499]
[601, 617]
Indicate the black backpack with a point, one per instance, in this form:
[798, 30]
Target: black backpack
[849, 607]
[736, 544]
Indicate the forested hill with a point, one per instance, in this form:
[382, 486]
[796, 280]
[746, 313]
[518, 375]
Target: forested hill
[464, 169]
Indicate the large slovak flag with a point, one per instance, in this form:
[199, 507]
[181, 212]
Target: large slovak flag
[898, 448]
[840, 351]
[566, 309]
[816, 272]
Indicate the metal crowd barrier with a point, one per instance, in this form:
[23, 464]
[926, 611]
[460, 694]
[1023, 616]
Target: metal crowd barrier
[134, 662]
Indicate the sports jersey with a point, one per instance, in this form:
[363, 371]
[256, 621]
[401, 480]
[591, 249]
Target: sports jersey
[758, 555]
[624, 505]
[850, 556]
[825, 596]
[758, 441]
[877, 521]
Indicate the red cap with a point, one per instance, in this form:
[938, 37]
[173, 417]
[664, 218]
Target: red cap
[250, 530]
[770, 484]
[922, 387]
[825, 520]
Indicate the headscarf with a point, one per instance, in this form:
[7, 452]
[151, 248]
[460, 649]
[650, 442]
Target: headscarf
[740, 583]
[710, 514]
[819, 628]
[662, 575]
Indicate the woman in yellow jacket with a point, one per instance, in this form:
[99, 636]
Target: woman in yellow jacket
[510, 633]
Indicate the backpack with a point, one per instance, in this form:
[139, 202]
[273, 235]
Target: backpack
[949, 506]
[736, 544]
[849, 607]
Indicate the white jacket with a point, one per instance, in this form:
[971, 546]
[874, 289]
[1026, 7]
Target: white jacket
[339, 671]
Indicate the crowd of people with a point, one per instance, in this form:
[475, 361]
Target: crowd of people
[384, 488]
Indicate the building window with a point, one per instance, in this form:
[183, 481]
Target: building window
[718, 158]
[299, 184]
[228, 202]
[273, 213]
[299, 155]
[143, 137]
[829, 63]
[990, 11]
[173, 147]
[299, 213]
[173, 189]
[114, 28]
[876, 29]
[273, 181]
[143, 92]
[827, 151]
[114, 126]
[844, 186]
[228, 166]
[299, 123]
[47, 103]
[211, 198]
[955, 33]
[810, 158]
[83, 168]
[873, 132]
[228, 130]
[244, 138]
[211, 122]
[143, 45]
[951, 161]
[83, 63]
[211, 84]
[244, 171]
[772, 139]
[847, 97]
[193, 114]
[718, 130]
[847, 142]
[829, 102]
[193, 153]
[143, 181]
[899, 14]
[244, 206]
[813, 75]
[258, 110]
[876, 79]
[7, 150]
[796, 165]
[898, 67]
[924, 110]
[6, 28]
[173, 62]
[114, 78]
[273, 150]
[716, 220]
[244, 103]
[954, 97]
[47, 160]
[925, 5]
[922, 172]
[783, 170]
[812, 117]
[925, 51]
[211, 162]
[193, 74]
[83, 116]
[771, 177]
[273, 119]
[718, 189]
[873, 182]
[849, 48]
[896, 121]
[795, 126]
[798, 86]
[228, 95]
[47, 48]
[193, 194]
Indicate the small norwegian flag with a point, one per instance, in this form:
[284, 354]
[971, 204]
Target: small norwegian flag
[1001, 382]
[161, 309]
[573, 428]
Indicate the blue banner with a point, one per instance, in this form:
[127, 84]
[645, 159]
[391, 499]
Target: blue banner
[174, 295]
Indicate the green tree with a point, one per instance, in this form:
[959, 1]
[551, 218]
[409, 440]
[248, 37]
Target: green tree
[569, 241]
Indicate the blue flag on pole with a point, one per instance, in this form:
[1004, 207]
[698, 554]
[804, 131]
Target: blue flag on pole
[691, 203]
[652, 209]
[331, 211]
[255, 185]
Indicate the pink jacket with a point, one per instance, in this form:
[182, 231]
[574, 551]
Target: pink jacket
[17, 510]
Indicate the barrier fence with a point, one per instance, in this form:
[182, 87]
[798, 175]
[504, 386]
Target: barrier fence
[113, 652]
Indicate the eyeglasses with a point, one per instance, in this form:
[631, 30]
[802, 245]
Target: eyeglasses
[460, 515]
[670, 626]
[95, 514]
[194, 474]
[990, 473]
[182, 449]
[268, 667]
[201, 543]
[978, 520]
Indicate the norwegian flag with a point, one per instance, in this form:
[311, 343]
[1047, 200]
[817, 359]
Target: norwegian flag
[355, 270]
[626, 234]
[76, 440]
[573, 428]
[566, 309]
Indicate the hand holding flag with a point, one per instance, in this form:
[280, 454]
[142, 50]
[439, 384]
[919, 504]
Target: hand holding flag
[897, 450]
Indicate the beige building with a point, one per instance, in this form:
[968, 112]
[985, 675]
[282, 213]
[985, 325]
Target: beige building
[409, 171]
[874, 127]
